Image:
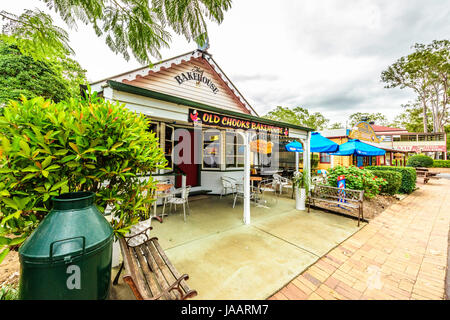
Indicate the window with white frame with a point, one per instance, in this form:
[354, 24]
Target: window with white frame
[212, 143]
[168, 143]
[234, 150]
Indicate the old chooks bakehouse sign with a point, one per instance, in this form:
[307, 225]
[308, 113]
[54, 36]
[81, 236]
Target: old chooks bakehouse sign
[214, 119]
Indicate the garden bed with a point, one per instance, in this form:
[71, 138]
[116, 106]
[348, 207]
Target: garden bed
[372, 207]
[10, 268]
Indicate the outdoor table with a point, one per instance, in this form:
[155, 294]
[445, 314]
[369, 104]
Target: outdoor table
[161, 188]
[252, 187]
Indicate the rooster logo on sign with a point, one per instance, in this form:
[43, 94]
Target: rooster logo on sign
[194, 116]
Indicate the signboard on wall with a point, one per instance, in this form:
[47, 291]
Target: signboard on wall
[364, 131]
[421, 148]
[196, 74]
[208, 118]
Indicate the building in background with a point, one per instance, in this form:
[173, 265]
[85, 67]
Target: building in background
[398, 144]
[431, 144]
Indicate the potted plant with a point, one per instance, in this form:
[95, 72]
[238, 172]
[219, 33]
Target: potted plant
[299, 183]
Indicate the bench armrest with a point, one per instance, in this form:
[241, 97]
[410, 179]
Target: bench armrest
[143, 232]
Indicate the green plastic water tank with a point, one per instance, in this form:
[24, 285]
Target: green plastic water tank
[69, 254]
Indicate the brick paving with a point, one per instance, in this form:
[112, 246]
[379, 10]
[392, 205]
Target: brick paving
[399, 255]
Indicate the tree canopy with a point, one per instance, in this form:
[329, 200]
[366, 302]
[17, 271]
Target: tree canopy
[378, 118]
[299, 116]
[411, 118]
[21, 74]
[129, 27]
[427, 72]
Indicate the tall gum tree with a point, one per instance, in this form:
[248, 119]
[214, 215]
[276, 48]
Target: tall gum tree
[427, 72]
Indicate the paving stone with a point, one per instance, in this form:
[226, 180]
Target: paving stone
[401, 254]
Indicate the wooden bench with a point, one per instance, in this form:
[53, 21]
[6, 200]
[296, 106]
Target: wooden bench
[344, 198]
[150, 274]
[423, 173]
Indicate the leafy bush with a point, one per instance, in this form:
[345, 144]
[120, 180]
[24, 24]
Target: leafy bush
[9, 292]
[50, 148]
[408, 176]
[441, 163]
[393, 178]
[358, 179]
[419, 160]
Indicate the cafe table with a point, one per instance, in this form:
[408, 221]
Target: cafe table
[161, 191]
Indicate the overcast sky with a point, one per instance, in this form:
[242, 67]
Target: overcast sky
[324, 55]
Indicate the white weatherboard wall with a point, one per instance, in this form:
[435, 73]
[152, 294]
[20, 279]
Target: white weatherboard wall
[151, 107]
[210, 180]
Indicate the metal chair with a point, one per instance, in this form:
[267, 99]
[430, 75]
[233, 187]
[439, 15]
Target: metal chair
[184, 200]
[239, 192]
[228, 183]
[267, 186]
[282, 182]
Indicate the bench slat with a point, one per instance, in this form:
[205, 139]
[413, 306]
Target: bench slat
[157, 272]
[169, 276]
[151, 274]
[132, 267]
[151, 282]
[171, 267]
[340, 203]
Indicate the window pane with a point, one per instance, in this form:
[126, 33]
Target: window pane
[211, 149]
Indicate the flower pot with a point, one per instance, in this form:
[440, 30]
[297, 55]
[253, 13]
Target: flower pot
[300, 197]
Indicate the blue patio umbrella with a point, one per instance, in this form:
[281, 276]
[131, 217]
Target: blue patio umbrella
[294, 146]
[318, 144]
[358, 148]
[321, 144]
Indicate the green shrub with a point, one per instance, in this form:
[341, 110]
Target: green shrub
[408, 176]
[358, 179]
[50, 148]
[9, 292]
[393, 178]
[441, 163]
[419, 160]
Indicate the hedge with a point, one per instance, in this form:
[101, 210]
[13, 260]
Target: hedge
[420, 160]
[408, 176]
[441, 163]
[393, 178]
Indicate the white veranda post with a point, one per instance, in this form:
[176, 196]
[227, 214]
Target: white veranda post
[247, 154]
[307, 160]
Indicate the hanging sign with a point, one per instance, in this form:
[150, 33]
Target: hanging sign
[261, 146]
[364, 131]
[207, 118]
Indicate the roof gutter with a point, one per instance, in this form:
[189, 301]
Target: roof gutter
[119, 86]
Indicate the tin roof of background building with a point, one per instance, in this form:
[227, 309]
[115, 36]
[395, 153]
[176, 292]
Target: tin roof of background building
[378, 128]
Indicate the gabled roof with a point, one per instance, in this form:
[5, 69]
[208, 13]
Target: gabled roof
[378, 128]
[166, 64]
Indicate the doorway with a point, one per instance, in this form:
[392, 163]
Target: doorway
[191, 169]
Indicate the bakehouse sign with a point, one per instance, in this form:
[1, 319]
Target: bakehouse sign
[201, 117]
[196, 74]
